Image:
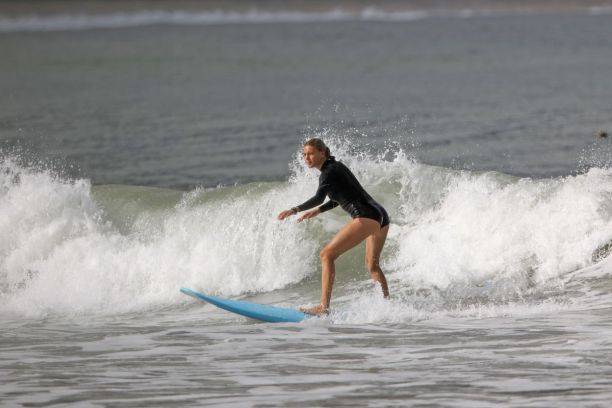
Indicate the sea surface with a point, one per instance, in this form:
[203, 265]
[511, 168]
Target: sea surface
[145, 151]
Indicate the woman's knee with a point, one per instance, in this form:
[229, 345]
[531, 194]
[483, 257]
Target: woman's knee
[328, 254]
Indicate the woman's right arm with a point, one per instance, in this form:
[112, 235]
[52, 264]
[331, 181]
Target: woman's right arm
[311, 202]
[313, 213]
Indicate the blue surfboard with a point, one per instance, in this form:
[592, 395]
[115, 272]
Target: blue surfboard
[256, 311]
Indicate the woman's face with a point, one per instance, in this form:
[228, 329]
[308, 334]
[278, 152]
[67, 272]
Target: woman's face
[313, 157]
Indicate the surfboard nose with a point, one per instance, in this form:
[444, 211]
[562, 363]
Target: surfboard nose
[265, 313]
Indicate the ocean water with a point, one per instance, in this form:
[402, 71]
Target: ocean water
[148, 151]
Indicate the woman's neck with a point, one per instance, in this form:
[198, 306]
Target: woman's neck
[320, 166]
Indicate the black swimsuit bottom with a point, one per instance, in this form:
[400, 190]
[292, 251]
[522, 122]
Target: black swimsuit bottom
[341, 186]
[370, 209]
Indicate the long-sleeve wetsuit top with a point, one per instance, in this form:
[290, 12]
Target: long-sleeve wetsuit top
[341, 186]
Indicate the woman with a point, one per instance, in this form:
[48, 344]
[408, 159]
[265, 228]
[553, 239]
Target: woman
[370, 220]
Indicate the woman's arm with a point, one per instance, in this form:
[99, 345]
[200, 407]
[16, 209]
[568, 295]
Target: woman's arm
[312, 202]
[313, 213]
[328, 206]
[317, 199]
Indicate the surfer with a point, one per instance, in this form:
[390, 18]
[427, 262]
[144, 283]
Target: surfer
[369, 219]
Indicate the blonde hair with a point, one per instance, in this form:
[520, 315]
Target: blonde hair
[319, 145]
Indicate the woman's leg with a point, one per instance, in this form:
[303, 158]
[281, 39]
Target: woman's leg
[349, 236]
[374, 246]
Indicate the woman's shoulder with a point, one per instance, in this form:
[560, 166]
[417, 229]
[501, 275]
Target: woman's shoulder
[335, 171]
[338, 166]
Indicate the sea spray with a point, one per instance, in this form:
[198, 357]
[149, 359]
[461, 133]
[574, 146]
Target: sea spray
[457, 240]
[489, 227]
[462, 240]
[60, 256]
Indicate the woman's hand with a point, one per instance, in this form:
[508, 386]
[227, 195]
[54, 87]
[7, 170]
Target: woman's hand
[309, 214]
[285, 214]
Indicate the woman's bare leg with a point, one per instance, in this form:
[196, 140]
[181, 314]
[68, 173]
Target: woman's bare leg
[349, 236]
[374, 246]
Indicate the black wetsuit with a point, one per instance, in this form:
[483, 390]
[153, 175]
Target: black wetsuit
[341, 186]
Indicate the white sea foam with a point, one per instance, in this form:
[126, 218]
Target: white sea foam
[61, 22]
[371, 307]
[58, 255]
[600, 11]
[452, 231]
[484, 227]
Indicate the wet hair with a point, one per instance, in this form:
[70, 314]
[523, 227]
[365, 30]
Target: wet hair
[319, 145]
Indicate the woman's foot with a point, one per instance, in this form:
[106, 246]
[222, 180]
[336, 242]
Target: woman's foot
[318, 310]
